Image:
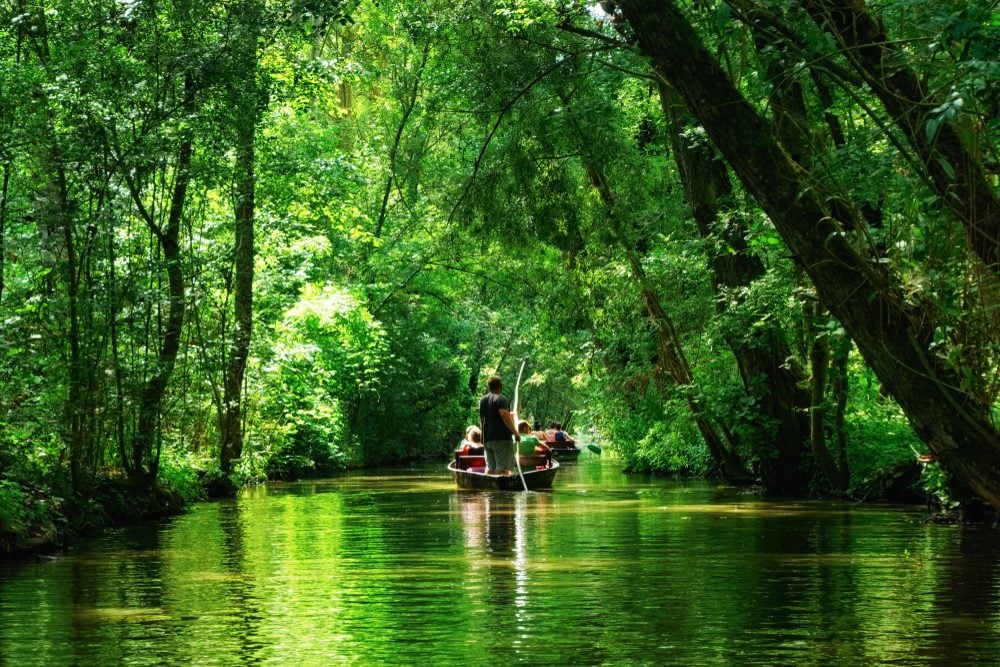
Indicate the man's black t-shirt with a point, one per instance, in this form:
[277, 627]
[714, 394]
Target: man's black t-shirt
[490, 420]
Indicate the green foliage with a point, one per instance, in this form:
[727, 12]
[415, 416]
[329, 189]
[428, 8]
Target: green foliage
[879, 436]
[670, 446]
[426, 214]
[28, 513]
[326, 358]
[13, 507]
[182, 473]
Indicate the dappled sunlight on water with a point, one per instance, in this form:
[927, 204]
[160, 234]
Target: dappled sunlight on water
[397, 566]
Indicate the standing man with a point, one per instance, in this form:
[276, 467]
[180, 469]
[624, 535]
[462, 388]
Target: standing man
[498, 426]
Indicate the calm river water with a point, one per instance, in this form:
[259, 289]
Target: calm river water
[398, 567]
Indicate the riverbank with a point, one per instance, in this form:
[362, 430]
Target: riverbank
[37, 519]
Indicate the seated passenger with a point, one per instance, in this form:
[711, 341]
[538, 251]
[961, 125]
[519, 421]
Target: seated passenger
[550, 432]
[473, 441]
[538, 431]
[560, 434]
[529, 445]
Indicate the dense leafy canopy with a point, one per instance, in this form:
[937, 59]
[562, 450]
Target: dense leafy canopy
[409, 196]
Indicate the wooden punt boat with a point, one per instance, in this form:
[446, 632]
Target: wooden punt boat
[469, 472]
[563, 450]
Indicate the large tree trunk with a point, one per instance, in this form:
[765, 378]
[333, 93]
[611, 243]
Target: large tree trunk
[232, 415]
[893, 337]
[780, 398]
[246, 113]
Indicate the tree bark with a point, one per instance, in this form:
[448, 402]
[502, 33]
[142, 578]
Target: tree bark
[142, 459]
[779, 398]
[247, 104]
[893, 336]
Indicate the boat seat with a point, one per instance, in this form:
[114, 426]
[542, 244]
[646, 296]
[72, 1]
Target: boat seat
[465, 462]
[535, 461]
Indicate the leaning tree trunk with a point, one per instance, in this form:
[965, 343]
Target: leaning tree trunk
[780, 397]
[676, 364]
[893, 337]
[671, 355]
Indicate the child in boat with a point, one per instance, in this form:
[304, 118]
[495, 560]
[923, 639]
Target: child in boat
[473, 441]
[530, 445]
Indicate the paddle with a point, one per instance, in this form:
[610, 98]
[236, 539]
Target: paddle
[517, 447]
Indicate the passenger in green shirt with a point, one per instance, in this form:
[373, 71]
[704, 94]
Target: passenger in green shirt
[529, 445]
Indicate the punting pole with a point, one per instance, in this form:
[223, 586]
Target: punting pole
[517, 450]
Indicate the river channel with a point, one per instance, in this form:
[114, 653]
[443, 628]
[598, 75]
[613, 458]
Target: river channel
[396, 566]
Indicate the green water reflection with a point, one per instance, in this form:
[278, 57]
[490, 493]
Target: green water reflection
[400, 568]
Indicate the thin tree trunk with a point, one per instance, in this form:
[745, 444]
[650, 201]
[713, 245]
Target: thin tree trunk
[839, 388]
[78, 419]
[57, 218]
[232, 416]
[819, 362]
[116, 362]
[143, 458]
[409, 105]
[4, 189]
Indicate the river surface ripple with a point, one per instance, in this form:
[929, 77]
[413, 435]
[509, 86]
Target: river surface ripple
[398, 567]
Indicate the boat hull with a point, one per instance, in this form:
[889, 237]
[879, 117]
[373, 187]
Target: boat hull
[565, 454]
[480, 481]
